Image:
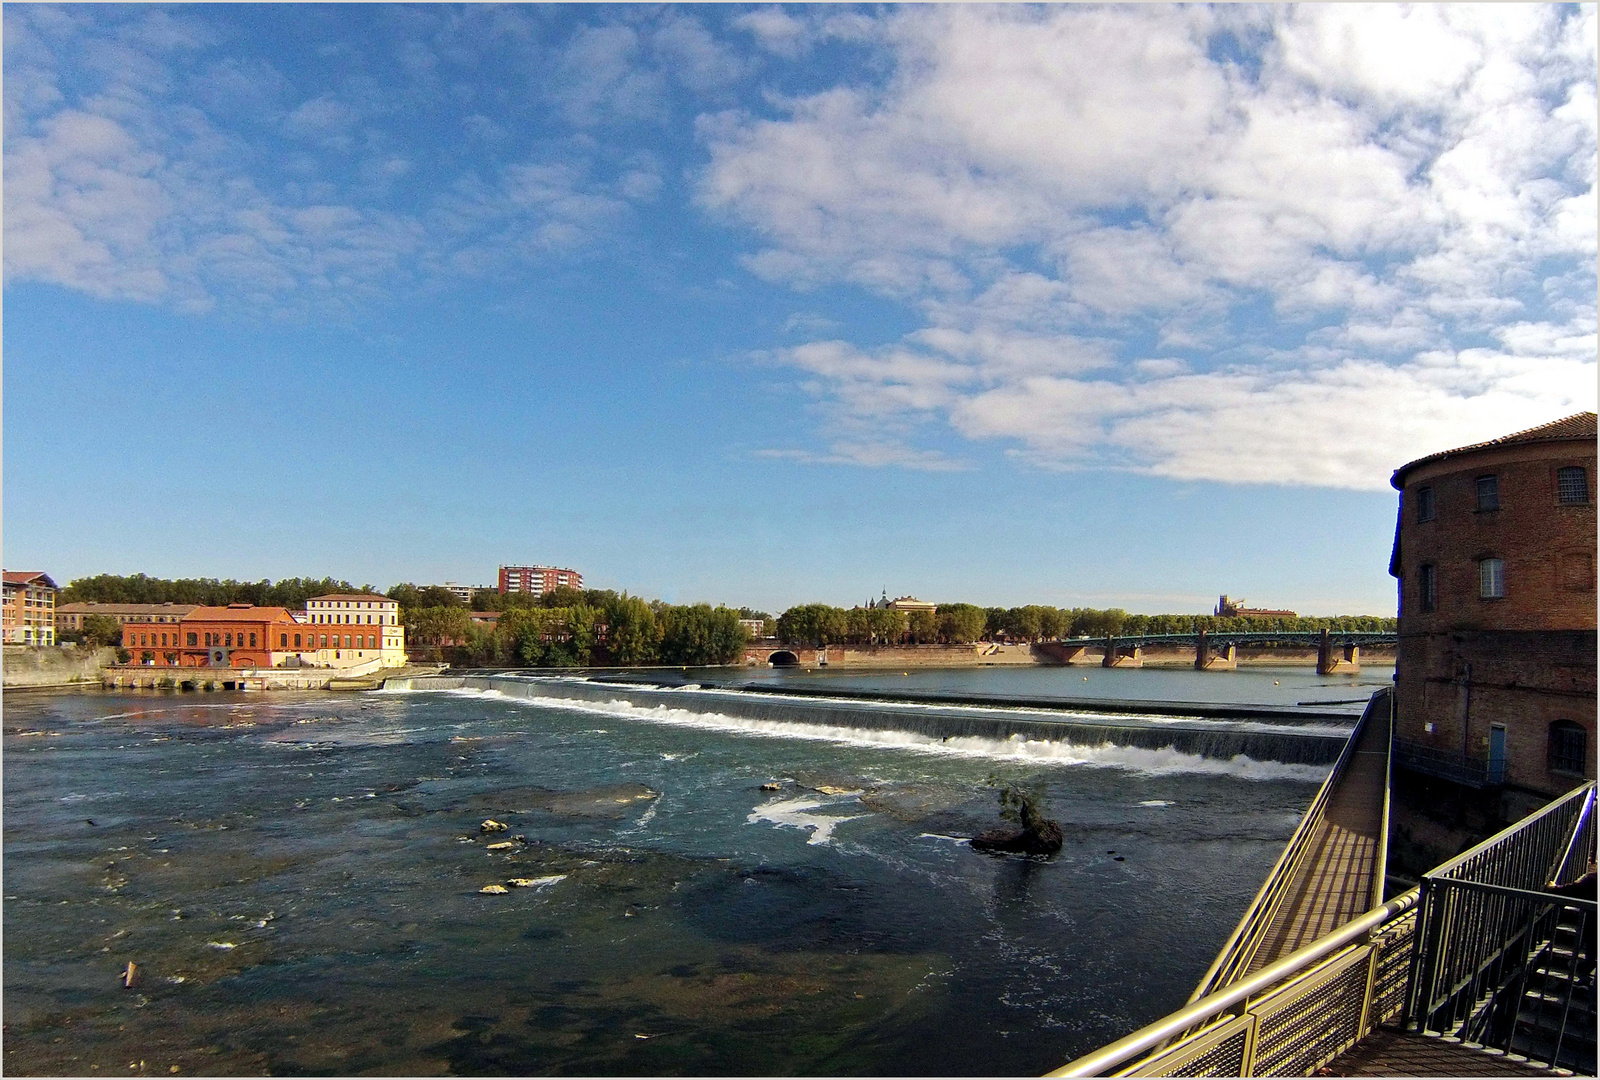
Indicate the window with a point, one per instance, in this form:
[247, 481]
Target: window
[208, 641]
[1491, 579]
[324, 641]
[192, 639]
[227, 639]
[252, 640]
[283, 641]
[297, 641]
[1425, 504]
[1572, 485]
[1569, 745]
[1488, 493]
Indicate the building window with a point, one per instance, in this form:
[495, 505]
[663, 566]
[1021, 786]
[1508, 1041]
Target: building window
[192, 641]
[252, 640]
[1491, 579]
[324, 641]
[283, 641]
[1572, 485]
[1425, 504]
[1488, 493]
[297, 641]
[1569, 746]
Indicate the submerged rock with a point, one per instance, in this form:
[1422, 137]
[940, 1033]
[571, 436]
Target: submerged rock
[494, 890]
[491, 825]
[772, 786]
[504, 845]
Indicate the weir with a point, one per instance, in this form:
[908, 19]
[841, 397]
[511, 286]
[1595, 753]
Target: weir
[1218, 739]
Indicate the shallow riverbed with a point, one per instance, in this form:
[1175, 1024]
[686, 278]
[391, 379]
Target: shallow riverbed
[297, 879]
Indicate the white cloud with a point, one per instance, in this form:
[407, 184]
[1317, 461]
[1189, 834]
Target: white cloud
[1325, 240]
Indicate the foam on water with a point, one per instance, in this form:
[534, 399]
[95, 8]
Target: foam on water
[796, 814]
[1149, 762]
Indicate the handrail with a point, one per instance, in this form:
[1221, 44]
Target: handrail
[1450, 866]
[1240, 947]
[1507, 890]
[1149, 1036]
[1584, 817]
[1381, 864]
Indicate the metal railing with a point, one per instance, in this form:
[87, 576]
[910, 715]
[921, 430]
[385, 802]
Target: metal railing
[1299, 1013]
[1287, 1019]
[1445, 764]
[1498, 959]
[1239, 950]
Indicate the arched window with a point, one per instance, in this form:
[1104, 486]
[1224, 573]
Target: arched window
[1569, 747]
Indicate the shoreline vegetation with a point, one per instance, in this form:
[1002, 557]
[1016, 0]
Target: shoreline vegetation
[567, 628]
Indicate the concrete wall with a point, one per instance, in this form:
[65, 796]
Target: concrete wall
[53, 665]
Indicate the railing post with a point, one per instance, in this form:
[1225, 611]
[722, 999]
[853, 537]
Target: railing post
[1424, 955]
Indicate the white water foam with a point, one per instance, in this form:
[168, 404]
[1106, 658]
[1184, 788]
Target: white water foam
[1156, 802]
[1018, 747]
[795, 813]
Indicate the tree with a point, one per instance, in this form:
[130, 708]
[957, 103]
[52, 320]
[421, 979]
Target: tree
[812, 624]
[700, 635]
[561, 596]
[632, 637]
[960, 624]
[923, 626]
[101, 630]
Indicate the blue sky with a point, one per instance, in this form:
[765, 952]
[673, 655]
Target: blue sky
[766, 305]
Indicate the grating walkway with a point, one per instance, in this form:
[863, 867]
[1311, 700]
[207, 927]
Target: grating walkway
[1391, 1052]
[1335, 883]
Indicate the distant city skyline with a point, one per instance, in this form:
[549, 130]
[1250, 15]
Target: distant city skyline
[1126, 306]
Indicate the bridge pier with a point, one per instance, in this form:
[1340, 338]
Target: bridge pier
[1122, 657]
[1330, 663]
[1226, 658]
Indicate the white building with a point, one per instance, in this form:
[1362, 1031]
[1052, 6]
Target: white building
[357, 627]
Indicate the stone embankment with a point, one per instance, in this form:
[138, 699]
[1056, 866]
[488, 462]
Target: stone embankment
[984, 654]
[369, 676]
[40, 667]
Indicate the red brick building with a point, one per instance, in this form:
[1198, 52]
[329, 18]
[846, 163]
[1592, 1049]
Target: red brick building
[538, 580]
[239, 635]
[1495, 556]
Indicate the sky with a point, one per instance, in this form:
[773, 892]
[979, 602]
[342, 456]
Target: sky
[1086, 306]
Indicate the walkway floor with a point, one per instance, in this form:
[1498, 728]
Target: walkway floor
[1391, 1052]
[1334, 884]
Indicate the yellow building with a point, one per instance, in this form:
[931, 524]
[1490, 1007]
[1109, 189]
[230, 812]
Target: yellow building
[30, 608]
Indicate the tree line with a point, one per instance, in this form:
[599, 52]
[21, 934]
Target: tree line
[139, 589]
[962, 624]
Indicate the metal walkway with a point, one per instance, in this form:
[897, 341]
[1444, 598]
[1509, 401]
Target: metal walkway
[1341, 877]
[1331, 870]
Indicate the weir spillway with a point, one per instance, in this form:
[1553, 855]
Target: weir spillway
[1210, 731]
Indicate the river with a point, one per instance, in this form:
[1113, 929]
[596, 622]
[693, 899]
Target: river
[297, 879]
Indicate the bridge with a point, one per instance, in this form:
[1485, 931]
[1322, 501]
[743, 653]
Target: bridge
[1337, 650]
[1481, 970]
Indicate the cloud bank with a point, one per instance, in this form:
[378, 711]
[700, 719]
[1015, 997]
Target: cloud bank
[1293, 246]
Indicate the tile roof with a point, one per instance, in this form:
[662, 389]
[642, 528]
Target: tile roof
[90, 607]
[26, 577]
[353, 596]
[243, 613]
[1577, 426]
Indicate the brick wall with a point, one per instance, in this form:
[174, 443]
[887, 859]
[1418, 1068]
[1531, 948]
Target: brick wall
[1524, 660]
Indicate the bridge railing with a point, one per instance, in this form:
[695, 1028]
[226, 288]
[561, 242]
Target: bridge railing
[1488, 932]
[1237, 953]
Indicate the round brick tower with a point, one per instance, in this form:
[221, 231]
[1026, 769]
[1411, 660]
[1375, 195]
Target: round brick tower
[1495, 555]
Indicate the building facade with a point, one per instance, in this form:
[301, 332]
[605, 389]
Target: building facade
[1229, 608]
[1494, 556]
[537, 580]
[334, 631]
[29, 612]
[69, 617]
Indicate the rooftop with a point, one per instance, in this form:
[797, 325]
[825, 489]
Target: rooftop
[353, 596]
[26, 577]
[1568, 428]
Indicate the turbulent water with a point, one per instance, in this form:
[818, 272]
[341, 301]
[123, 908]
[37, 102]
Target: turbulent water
[297, 879]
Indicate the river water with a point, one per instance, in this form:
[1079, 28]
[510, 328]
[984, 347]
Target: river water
[297, 878]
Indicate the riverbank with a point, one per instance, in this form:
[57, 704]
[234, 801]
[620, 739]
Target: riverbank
[53, 667]
[1048, 654]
